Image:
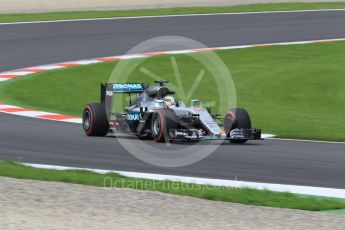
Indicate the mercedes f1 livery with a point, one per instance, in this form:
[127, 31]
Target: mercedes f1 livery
[154, 114]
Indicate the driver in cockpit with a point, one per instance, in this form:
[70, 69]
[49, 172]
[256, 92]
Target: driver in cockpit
[169, 102]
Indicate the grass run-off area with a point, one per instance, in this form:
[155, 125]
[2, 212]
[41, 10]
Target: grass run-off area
[292, 91]
[112, 180]
[168, 11]
[339, 211]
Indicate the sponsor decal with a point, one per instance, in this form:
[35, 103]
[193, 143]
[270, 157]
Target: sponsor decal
[180, 133]
[133, 116]
[109, 93]
[127, 87]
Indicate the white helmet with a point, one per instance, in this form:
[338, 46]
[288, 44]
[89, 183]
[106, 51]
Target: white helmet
[169, 102]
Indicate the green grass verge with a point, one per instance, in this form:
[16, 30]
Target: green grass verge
[338, 211]
[167, 11]
[292, 91]
[243, 196]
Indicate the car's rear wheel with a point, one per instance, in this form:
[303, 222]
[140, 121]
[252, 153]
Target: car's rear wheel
[95, 121]
[236, 119]
[161, 122]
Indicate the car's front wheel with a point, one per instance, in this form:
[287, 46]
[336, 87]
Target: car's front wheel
[236, 119]
[161, 122]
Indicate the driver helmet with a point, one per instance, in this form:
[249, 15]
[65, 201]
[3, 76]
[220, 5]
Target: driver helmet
[169, 102]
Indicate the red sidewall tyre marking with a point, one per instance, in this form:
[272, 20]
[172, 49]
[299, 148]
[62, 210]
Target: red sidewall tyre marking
[231, 114]
[161, 125]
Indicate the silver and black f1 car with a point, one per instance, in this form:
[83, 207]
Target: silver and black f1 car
[155, 114]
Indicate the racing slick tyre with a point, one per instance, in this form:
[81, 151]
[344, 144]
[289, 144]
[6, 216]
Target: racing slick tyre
[236, 119]
[95, 121]
[161, 122]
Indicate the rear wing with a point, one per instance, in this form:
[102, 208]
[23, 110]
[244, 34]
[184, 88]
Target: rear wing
[109, 89]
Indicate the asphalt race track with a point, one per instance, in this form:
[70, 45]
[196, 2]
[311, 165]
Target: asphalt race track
[48, 142]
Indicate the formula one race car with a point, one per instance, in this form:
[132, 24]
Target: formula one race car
[155, 114]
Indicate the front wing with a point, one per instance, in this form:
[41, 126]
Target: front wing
[197, 135]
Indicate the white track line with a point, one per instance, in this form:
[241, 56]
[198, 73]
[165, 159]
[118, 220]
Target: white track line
[46, 67]
[8, 106]
[19, 73]
[300, 140]
[31, 113]
[297, 189]
[73, 120]
[169, 16]
[4, 79]
[87, 62]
